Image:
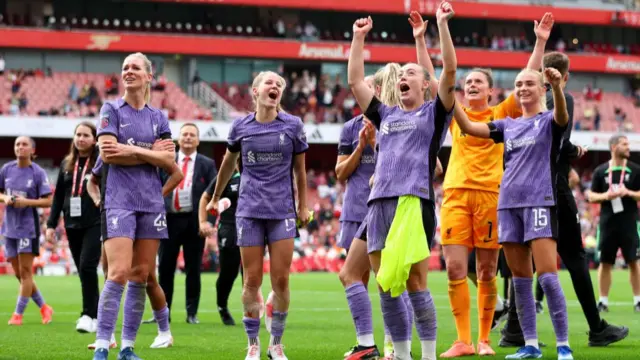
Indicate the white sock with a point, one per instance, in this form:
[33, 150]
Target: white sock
[164, 333]
[499, 304]
[428, 349]
[102, 344]
[113, 337]
[636, 299]
[562, 343]
[532, 342]
[387, 339]
[127, 343]
[366, 340]
[604, 300]
[402, 350]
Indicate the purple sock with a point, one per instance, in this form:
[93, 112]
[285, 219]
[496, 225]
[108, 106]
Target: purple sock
[162, 318]
[108, 308]
[407, 303]
[277, 326]
[526, 306]
[21, 304]
[360, 307]
[38, 299]
[557, 305]
[252, 328]
[134, 303]
[394, 313]
[425, 313]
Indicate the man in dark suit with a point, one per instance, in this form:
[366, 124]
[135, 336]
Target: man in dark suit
[182, 220]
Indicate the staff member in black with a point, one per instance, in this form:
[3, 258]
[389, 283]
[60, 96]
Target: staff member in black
[616, 186]
[81, 219]
[227, 242]
[570, 247]
[182, 220]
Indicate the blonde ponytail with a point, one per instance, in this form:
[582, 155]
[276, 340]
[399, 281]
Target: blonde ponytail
[387, 78]
[147, 93]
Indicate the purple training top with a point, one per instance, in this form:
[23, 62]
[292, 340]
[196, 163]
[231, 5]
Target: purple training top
[531, 149]
[268, 151]
[134, 188]
[408, 146]
[29, 182]
[97, 167]
[355, 196]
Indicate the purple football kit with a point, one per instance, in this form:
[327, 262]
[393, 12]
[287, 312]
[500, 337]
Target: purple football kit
[266, 209]
[21, 226]
[526, 205]
[354, 208]
[133, 206]
[408, 144]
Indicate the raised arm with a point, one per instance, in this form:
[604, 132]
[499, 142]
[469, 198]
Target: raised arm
[449, 61]
[355, 69]
[469, 127]
[560, 114]
[542, 31]
[424, 59]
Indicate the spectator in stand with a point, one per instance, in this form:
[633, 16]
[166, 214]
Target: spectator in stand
[2, 64]
[23, 102]
[596, 118]
[73, 92]
[16, 83]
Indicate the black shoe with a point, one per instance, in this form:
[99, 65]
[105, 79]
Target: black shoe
[150, 321]
[510, 339]
[636, 308]
[602, 307]
[226, 317]
[539, 307]
[499, 317]
[359, 352]
[608, 334]
[192, 319]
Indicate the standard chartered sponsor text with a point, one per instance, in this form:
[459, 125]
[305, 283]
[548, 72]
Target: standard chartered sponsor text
[338, 52]
[268, 157]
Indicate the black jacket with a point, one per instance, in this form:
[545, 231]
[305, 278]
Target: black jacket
[61, 199]
[568, 151]
[203, 173]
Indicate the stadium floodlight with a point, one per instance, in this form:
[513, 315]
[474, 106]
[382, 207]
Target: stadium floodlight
[126, 23]
[178, 26]
[168, 26]
[106, 22]
[249, 30]
[239, 29]
[63, 20]
[384, 35]
[52, 20]
[347, 35]
[137, 24]
[84, 21]
[95, 22]
[187, 26]
[198, 27]
[116, 22]
[158, 25]
[219, 28]
[147, 24]
[74, 21]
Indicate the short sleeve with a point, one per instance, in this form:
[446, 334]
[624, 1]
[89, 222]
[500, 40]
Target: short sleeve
[597, 181]
[3, 171]
[345, 144]
[212, 187]
[496, 130]
[233, 139]
[44, 188]
[508, 108]
[108, 121]
[164, 131]
[440, 114]
[376, 112]
[300, 144]
[97, 168]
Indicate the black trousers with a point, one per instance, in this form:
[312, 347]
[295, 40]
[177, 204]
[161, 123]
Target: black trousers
[183, 231]
[574, 257]
[86, 249]
[229, 269]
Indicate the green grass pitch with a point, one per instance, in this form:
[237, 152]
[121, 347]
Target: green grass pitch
[319, 326]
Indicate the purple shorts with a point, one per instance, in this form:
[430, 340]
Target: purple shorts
[380, 217]
[14, 247]
[133, 224]
[522, 225]
[348, 230]
[261, 232]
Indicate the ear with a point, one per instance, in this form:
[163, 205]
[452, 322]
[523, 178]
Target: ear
[254, 91]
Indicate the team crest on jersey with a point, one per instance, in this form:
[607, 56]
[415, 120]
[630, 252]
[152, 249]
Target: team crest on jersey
[155, 130]
[282, 139]
[104, 120]
[536, 123]
[234, 187]
[29, 183]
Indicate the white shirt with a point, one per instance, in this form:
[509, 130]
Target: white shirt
[183, 191]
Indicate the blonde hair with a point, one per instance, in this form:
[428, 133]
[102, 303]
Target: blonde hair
[148, 68]
[427, 78]
[387, 78]
[256, 82]
[540, 78]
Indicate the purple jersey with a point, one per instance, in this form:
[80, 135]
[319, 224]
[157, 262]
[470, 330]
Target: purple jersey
[97, 167]
[355, 197]
[268, 151]
[29, 182]
[135, 188]
[408, 145]
[531, 148]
